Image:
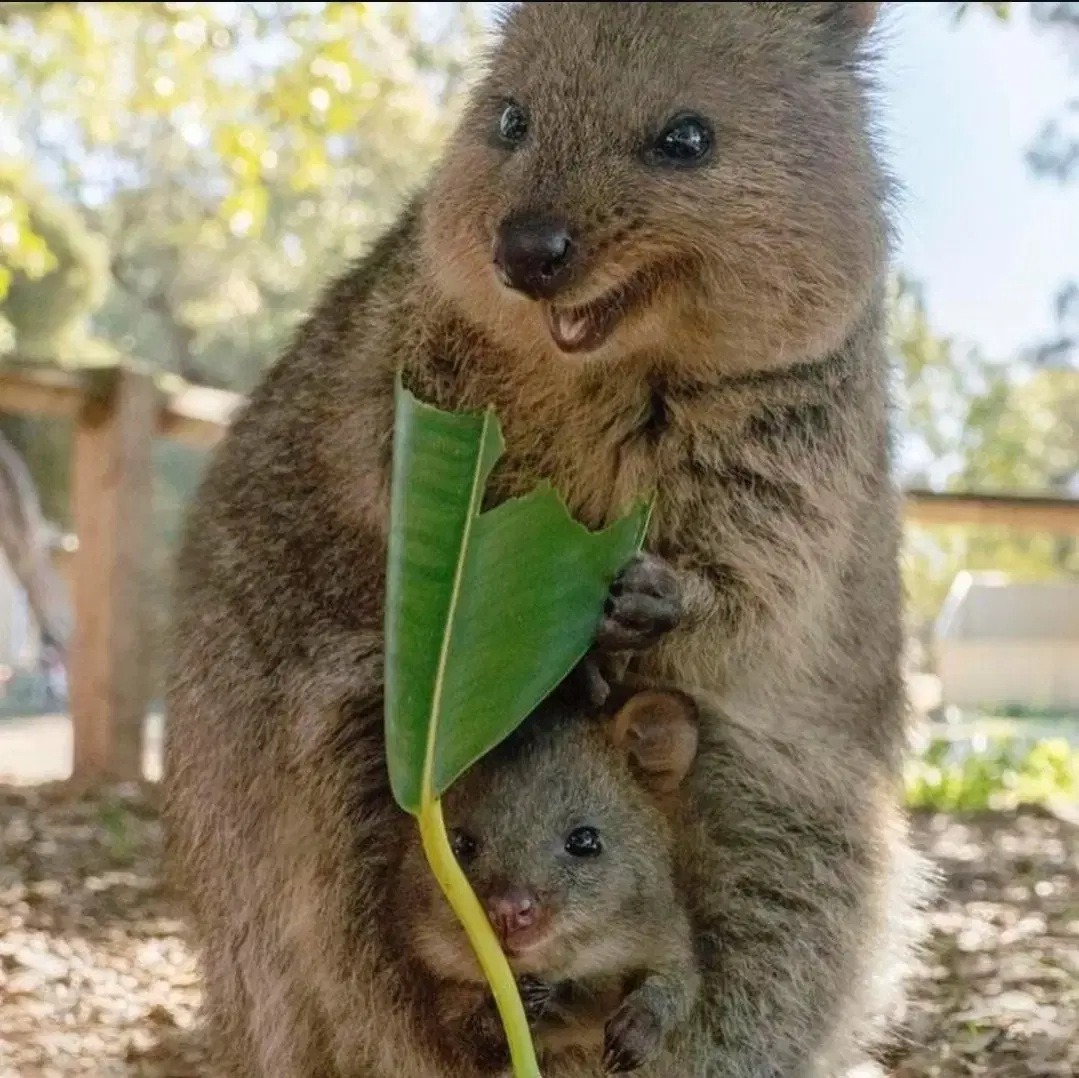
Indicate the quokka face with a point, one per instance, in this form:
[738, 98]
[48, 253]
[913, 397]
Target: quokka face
[657, 176]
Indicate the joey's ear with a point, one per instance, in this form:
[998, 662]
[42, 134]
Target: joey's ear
[658, 733]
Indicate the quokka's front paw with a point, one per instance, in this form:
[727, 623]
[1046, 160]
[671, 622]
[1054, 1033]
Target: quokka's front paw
[633, 1036]
[644, 604]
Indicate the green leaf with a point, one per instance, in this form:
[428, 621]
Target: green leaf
[485, 612]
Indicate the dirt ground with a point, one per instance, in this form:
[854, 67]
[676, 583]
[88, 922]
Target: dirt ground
[96, 976]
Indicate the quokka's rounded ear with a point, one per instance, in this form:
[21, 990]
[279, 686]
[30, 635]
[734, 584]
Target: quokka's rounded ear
[657, 730]
[849, 17]
[847, 22]
[840, 29]
[859, 16]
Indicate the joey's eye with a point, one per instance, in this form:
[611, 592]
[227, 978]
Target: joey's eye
[513, 124]
[686, 140]
[463, 846]
[584, 842]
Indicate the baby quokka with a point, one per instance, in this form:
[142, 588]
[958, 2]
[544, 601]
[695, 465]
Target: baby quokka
[564, 832]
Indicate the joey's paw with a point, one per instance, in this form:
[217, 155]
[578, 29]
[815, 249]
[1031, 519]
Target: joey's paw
[536, 995]
[589, 681]
[644, 603]
[632, 1037]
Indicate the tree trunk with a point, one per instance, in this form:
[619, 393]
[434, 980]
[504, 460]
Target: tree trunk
[24, 538]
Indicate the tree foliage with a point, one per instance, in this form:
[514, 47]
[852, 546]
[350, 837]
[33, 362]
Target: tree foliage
[177, 180]
[1007, 424]
[228, 154]
[970, 423]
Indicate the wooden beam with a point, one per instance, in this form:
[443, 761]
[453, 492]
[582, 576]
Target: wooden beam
[192, 415]
[1026, 513]
[198, 416]
[111, 488]
[54, 393]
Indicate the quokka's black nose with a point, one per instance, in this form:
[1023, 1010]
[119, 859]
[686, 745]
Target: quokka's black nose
[532, 255]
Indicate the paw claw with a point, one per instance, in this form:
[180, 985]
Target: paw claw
[631, 1038]
[589, 682]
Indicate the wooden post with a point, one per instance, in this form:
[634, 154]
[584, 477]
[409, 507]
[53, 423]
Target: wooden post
[111, 490]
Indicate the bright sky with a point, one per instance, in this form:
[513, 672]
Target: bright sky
[990, 243]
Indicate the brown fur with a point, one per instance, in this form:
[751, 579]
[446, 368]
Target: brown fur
[615, 952]
[747, 381]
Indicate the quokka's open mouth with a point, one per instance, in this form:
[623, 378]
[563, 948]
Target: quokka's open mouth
[585, 328]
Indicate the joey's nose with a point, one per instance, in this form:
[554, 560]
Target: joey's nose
[532, 255]
[513, 912]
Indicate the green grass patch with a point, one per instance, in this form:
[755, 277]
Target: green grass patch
[992, 775]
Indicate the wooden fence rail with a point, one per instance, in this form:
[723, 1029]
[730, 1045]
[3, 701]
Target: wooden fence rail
[117, 413]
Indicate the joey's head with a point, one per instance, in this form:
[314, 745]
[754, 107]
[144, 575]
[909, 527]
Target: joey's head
[689, 179]
[563, 834]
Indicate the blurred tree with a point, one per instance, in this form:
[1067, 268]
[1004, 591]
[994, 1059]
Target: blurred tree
[51, 296]
[178, 178]
[971, 424]
[974, 424]
[231, 154]
[27, 541]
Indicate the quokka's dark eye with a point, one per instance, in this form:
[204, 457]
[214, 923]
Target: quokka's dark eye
[686, 140]
[513, 124]
[584, 842]
[463, 846]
